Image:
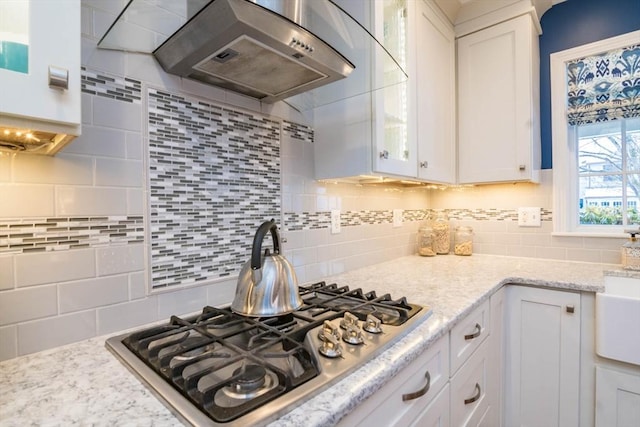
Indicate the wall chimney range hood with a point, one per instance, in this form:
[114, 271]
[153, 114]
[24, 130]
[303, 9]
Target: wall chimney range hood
[270, 50]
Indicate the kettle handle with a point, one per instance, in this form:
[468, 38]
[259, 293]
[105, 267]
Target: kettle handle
[256, 250]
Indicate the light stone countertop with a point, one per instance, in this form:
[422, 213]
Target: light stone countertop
[84, 384]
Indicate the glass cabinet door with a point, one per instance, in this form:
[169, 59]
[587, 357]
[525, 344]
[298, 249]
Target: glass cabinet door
[395, 142]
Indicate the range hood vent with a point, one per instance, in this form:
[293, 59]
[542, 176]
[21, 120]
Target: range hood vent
[270, 50]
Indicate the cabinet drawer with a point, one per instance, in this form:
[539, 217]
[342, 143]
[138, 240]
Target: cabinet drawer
[469, 399]
[467, 335]
[386, 406]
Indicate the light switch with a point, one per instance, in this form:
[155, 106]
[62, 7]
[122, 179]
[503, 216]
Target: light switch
[529, 217]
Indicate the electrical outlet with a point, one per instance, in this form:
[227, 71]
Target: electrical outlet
[529, 217]
[335, 221]
[397, 218]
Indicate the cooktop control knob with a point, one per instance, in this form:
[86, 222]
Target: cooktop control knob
[330, 346]
[348, 319]
[329, 329]
[372, 324]
[353, 335]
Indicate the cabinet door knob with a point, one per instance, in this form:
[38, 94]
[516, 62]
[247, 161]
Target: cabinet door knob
[424, 164]
[419, 393]
[384, 154]
[522, 168]
[475, 334]
[476, 397]
[571, 309]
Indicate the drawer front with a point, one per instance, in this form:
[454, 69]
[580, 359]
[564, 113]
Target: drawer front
[469, 399]
[467, 335]
[387, 407]
[437, 414]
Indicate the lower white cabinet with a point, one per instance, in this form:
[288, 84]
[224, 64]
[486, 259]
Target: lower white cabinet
[617, 398]
[469, 398]
[542, 360]
[411, 395]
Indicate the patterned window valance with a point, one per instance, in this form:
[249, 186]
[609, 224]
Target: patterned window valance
[604, 87]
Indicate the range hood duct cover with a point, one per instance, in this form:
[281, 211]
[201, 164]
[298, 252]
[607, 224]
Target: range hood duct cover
[242, 46]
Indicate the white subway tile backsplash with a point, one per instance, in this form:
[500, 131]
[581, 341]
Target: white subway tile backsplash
[181, 302]
[6, 159]
[56, 331]
[6, 272]
[99, 141]
[134, 146]
[222, 293]
[54, 266]
[119, 173]
[87, 111]
[92, 293]
[26, 200]
[120, 259]
[127, 315]
[135, 201]
[145, 67]
[62, 169]
[585, 255]
[8, 342]
[27, 304]
[117, 114]
[101, 59]
[137, 285]
[90, 201]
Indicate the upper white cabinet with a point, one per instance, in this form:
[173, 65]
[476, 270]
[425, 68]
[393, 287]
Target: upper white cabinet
[498, 100]
[435, 81]
[33, 97]
[406, 129]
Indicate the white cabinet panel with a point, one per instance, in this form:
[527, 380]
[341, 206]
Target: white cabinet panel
[498, 95]
[467, 335]
[542, 368]
[617, 398]
[387, 407]
[435, 81]
[469, 386]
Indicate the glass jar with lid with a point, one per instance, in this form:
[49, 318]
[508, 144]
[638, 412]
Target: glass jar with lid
[631, 252]
[441, 236]
[425, 241]
[463, 241]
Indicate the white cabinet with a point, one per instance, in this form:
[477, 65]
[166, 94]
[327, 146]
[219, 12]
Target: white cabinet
[435, 81]
[412, 396]
[467, 335]
[498, 100]
[469, 399]
[28, 102]
[617, 398]
[406, 129]
[542, 361]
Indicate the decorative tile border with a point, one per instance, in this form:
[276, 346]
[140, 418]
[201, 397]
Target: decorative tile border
[214, 178]
[294, 221]
[65, 233]
[109, 86]
[296, 131]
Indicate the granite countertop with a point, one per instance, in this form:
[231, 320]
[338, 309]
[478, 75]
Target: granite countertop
[84, 384]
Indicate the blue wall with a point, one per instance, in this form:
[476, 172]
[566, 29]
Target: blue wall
[574, 23]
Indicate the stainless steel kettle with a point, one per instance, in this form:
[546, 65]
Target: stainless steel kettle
[267, 284]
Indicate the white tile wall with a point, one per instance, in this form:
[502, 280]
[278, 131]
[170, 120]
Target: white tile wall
[56, 266]
[6, 272]
[119, 259]
[56, 331]
[92, 293]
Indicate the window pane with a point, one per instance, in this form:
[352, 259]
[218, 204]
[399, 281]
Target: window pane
[633, 196]
[599, 147]
[601, 199]
[633, 144]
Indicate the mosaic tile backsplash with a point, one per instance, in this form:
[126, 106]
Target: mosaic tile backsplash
[214, 178]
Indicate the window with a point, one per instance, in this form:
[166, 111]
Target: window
[596, 136]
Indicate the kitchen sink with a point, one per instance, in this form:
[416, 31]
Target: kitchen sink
[618, 319]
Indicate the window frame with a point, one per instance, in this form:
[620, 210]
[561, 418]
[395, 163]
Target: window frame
[565, 171]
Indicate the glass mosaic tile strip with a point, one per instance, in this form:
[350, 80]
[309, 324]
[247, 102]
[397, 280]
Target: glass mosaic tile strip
[109, 86]
[65, 233]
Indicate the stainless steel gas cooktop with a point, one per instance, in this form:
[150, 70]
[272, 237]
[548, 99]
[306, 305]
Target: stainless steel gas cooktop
[219, 368]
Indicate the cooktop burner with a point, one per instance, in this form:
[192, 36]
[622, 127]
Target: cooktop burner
[221, 368]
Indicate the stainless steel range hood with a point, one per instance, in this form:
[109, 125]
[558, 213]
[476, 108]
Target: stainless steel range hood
[267, 49]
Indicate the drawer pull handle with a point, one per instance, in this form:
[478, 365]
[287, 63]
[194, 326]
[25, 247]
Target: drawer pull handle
[475, 334]
[474, 398]
[419, 393]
